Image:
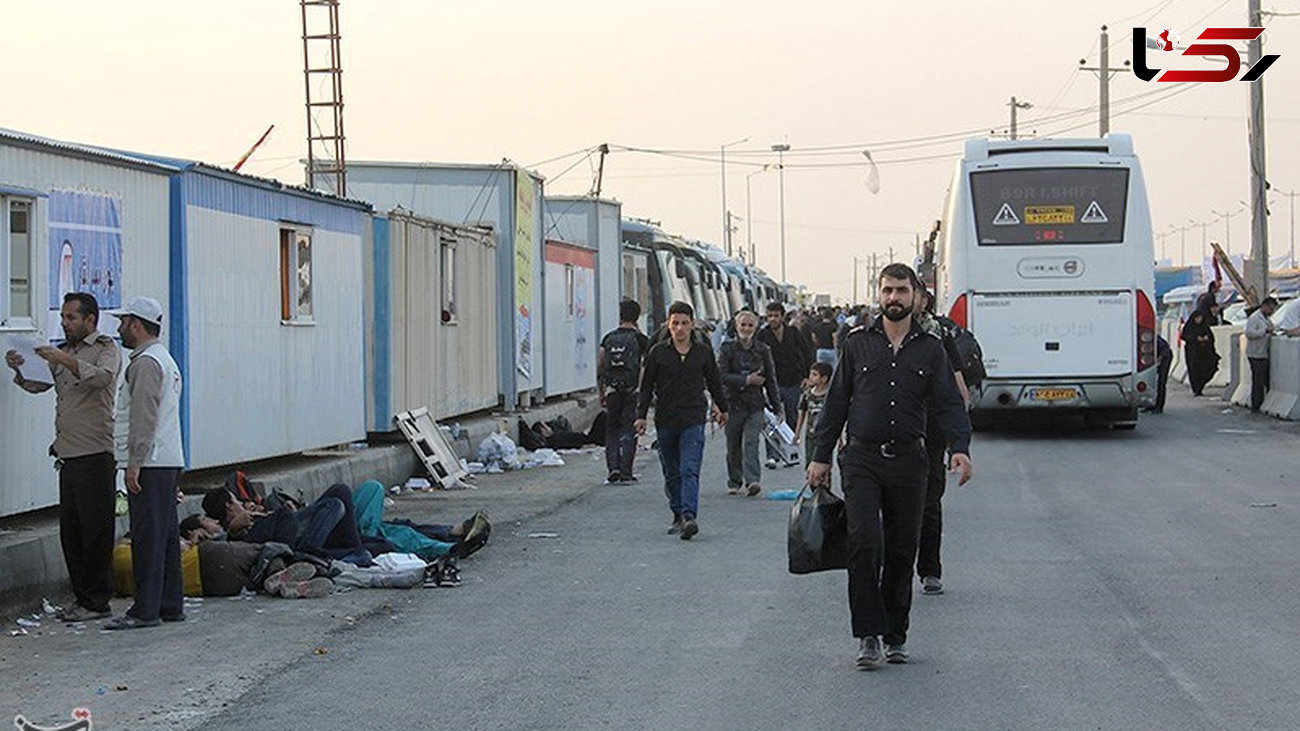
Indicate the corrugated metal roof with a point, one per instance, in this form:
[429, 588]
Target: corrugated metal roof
[24, 139]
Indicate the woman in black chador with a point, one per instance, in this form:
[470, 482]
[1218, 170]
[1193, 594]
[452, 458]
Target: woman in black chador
[1198, 346]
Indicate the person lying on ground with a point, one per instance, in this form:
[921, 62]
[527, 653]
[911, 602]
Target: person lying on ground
[327, 527]
[428, 541]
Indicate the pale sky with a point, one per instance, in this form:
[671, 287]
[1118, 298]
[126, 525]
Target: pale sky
[479, 81]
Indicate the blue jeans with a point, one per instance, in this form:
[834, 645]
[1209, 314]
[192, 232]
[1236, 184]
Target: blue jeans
[620, 436]
[681, 450]
[329, 525]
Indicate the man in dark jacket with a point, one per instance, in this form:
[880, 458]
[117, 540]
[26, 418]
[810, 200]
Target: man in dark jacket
[792, 354]
[677, 371]
[749, 381]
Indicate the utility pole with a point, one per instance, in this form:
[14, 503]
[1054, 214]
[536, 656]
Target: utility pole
[1104, 74]
[1257, 268]
[731, 229]
[780, 151]
[600, 172]
[1014, 106]
[875, 277]
[726, 212]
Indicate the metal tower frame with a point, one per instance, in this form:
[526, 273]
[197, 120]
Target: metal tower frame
[321, 59]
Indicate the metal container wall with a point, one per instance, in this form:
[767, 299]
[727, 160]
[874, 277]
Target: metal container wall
[33, 168]
[570, 335]
[480, 195]
[593, 222]
[416, 357]
[260, 387]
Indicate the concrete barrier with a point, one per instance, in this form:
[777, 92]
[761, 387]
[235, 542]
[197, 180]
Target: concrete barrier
[1233, 360]
[1240, 395]
[1223, 337]
[1283, 399]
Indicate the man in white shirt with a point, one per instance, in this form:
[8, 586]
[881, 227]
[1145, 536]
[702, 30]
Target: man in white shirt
[1258, 331]
[147, 444]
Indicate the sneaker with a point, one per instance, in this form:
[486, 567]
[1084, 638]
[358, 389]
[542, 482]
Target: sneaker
[754, 489]
[126, 621]
[733, 489]
[931, 585]
[477, 532]
[312, 589]
[869, 653]
[296, 572]
[676, 527]
[770, 463]
[81, 614]
[896, 654]
[629, 477]
[689, 529]
[614, 477]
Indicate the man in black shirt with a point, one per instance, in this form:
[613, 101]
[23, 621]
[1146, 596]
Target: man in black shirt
[677, 371]
[792, 355]
[823, 333]
[889, 375]
[618, 369]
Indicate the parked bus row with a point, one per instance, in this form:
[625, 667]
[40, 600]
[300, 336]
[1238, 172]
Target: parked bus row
[660, 268]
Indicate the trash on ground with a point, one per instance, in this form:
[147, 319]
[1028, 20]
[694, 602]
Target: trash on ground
[543, 534]
[783, 495]
[30, 623]
[418, 483]
[49, 608]
[1254, 505]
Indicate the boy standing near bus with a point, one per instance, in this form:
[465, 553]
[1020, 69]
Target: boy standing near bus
[618, 370]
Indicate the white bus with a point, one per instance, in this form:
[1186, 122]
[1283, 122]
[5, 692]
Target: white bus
[1047, 258]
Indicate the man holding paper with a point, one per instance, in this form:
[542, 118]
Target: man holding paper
[83, 371]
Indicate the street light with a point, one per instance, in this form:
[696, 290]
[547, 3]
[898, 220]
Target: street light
[726, 220]
[780, 150]
[749, 215]
[1204, 226]
[1291, 195]
[1227, 227]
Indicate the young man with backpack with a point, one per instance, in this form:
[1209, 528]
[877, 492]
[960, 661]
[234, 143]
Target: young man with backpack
[618, 371]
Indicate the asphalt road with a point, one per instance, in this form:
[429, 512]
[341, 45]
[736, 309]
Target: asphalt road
[1101, 580]
[1107, 580]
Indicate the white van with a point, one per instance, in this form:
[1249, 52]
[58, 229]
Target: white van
[1047, 257]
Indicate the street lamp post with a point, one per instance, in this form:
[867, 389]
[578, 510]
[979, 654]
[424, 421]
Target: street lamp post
[780, 150]
[749, 216]
[1204, 226]
[1291, 195]
[1227, 227]
[726, 218]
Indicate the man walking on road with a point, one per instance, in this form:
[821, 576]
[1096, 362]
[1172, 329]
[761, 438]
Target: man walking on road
[889, 375]
[677, 371]
[84, 371]
[147, 442]
[792, 355]
[618, 368]
[1259, 329]
[749, 380]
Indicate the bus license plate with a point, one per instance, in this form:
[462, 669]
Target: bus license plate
[1048, 215]
[1052, 394]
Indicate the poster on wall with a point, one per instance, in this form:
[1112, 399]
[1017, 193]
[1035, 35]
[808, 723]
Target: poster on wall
[85, 251]
[524, 273]
[583, 284]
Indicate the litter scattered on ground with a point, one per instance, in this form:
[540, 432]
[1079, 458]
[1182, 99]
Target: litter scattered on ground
[17, 632]
[783, 495]
[542, 534]
[49, 608]
[1253, 505]
[418, 483]
[1237, 431]
[29, 623]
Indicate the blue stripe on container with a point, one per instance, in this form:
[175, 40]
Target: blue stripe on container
[383, 327]
[255, 201]
[177, 272]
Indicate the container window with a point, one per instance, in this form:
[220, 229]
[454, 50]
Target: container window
[449, 277]
[568, 291]
[295, 276]
[16, 258]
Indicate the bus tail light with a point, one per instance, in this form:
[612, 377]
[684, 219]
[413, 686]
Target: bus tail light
[957, 313]
[1146, 332]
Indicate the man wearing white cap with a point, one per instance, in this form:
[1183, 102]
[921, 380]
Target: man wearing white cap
[147, 444]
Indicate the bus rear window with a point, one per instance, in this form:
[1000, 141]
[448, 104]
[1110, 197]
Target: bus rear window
[1045, 207]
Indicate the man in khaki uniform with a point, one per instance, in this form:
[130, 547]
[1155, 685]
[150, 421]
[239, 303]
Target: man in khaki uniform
[84, 370]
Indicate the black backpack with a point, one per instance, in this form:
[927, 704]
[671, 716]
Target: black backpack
[622, 358]
[972, 356]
